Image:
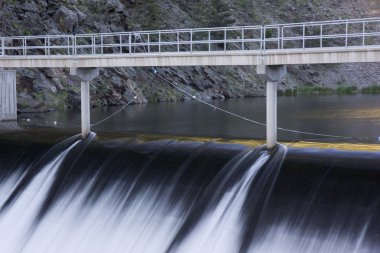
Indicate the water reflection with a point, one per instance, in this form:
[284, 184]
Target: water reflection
[355, 116]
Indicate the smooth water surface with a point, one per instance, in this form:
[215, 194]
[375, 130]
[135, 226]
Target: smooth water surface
[349, 115]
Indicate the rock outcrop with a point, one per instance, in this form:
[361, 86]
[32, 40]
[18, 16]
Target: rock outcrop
[47, 89]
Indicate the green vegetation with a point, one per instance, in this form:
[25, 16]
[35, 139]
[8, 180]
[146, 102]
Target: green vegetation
[307, 90]
[371, 89]
[211, 13]
[268, 33]
[60, 101]
[153, 19]
[22, 29]
[346, 90]
[317, 90]
[219, 14]
[23, 106]
[243, 4]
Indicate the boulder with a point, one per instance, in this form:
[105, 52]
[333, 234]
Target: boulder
[114, 6]
[30, 7]
[41, 83]
[67, 19]
[81, 17]
[58, 84]
[41, 3]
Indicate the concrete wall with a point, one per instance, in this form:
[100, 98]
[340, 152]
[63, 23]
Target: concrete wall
[8, 96]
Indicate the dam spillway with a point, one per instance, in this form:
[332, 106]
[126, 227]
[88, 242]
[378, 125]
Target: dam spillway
[138, 195]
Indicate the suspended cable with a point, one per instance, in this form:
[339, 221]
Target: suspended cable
[175, 86]
[113, 114]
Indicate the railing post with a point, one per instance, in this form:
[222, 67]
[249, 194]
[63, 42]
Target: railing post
[209, 40]
[278, 38]
[282, 37]
[72, 45]
[148, 42]
[159, 41]
[75, 45]
[303, 36]
[68, 45]
[363, 33]
[101, 44]
[2, 46]
[191, 40]
[93, 45]
[48, 46]
[177, 41]
[242, 39]
[321, 39]
[121, 44]
[346, 41]
[225, 39]
[45, 45]
[24, 46]
[264, 36]
[130, 43]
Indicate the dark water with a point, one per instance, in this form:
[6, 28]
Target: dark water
[132, 195]
[64, 194]
[352, 116]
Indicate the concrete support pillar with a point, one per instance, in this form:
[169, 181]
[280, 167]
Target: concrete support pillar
[8, 95]
[273, 75]
[271, 114]
[86, 75]
[85, 108]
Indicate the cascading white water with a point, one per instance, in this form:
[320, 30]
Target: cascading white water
[18, 219]
[15, 222]
[220, 230]
[283, 239]
[114, 222]
[176, 197]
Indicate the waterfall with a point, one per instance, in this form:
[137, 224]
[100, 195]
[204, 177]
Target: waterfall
[133, 195]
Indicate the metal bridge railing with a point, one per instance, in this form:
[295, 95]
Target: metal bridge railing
[339, 34]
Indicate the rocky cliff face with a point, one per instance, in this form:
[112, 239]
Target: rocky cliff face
[45, 89]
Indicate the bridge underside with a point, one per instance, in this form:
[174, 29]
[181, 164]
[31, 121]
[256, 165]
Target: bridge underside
[229, 58]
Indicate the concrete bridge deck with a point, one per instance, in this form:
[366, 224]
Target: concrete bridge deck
[229, 58]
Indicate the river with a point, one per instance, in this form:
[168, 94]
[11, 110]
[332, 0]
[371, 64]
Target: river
[355, 116]
[61, 193]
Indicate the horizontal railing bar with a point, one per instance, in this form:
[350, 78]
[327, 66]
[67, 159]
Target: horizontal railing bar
[317, 25]
[237, 28]
[235, 36]
[332, 36]
[340, 21]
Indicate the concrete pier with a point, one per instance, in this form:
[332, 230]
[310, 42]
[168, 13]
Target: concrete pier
[86, 75]
[8, 95]
[85, 108]
[273, 75]
[271, 114]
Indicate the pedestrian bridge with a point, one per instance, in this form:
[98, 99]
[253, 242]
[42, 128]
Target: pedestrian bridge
[338, 41]
[269, 47]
